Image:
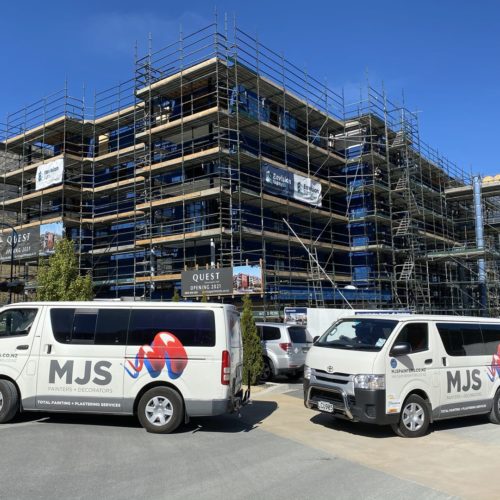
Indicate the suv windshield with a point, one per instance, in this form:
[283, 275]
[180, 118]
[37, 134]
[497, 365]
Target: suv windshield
[358, 334]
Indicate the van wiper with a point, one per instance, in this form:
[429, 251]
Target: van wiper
[367, 347]
[335, 346]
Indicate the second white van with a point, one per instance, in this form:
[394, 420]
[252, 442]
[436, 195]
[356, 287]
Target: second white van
[405, 370]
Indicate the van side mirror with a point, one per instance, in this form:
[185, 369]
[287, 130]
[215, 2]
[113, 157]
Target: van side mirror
[400, 349]
[315, 339]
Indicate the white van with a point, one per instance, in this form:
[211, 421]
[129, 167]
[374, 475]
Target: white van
[405, 370]
[164, 362]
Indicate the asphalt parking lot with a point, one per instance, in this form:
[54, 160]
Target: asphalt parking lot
[277, 449]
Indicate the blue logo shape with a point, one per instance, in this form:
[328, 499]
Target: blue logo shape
[394, 363]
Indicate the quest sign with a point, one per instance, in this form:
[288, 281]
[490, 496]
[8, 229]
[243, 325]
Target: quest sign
[208, 281]
[31, 242]
[235, 280]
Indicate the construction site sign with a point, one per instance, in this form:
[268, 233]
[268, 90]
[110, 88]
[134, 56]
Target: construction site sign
[31, 242]
[290, 185]
[49, 174]
[236, 280]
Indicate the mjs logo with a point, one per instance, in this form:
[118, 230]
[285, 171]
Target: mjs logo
[165, 350]
[494, 368]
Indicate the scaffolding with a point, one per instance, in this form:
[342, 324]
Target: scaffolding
[196, 160]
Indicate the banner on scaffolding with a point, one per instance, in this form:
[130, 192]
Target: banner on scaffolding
[279, 181]
[49, 174]
[224, 281]
[31, 242]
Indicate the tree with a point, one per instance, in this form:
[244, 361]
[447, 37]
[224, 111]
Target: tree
[176, 297]
[59, 277]
[204, 297]
[252, 350]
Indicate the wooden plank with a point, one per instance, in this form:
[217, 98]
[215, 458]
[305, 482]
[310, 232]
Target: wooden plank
[182, 236]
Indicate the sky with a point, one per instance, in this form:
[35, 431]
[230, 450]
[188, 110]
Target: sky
[441, 56]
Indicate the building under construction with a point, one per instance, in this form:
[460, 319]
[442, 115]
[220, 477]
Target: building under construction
[221, 153]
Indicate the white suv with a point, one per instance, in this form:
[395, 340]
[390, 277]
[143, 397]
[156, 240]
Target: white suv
[284, 348]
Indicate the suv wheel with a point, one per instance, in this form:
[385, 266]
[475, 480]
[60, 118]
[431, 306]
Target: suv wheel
[267, 372]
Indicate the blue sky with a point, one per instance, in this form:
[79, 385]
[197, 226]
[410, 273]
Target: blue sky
[444, 55]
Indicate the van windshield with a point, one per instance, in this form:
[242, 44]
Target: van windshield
[358, 334]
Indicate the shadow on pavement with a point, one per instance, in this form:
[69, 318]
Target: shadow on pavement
[385, 431]
[251, 416]
[357, 428]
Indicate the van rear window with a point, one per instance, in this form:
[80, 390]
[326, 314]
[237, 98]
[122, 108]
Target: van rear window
[470, 339]
[194, 328]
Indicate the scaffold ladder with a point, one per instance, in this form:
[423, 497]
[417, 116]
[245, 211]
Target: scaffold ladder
[406, 270]
[316, 278]
[404, 225]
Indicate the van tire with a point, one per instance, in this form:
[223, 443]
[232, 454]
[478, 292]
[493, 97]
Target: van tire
[414, 413]
[160, 410]
[495, 411]
[9, 401]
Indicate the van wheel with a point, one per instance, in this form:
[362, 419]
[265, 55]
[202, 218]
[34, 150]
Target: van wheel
[267, 372]
[495, 411]
[414, 418]
[160, 410]
[9, 401]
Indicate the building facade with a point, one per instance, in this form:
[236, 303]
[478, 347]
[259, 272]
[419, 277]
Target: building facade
[220, 153]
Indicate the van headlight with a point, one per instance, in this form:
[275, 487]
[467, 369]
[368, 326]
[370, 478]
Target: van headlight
[307, 372]
[369, 382]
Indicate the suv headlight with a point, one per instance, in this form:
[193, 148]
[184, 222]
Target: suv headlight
[307, 372]
[369, 382]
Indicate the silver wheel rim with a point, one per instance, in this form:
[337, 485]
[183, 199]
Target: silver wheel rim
[413, 417]
[1, 401]
[159, 411]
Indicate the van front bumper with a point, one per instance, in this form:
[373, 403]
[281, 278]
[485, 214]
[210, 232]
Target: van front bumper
[364, 406]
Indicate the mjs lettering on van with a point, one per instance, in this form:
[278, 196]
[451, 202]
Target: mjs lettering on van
[405, 370]
[163, 362]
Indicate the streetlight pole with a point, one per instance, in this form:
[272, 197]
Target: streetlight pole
[13, 244]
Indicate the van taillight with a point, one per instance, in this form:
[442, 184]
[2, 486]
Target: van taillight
[287, 347]
[225, 373]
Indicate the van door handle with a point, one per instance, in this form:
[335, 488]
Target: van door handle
[23, 347]
[428, 361]
[48, 348]
[444, 361]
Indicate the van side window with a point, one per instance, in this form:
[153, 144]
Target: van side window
[461, 339]
[84, 324]
[90, 326]
[491, 338]
[270, 333]
[16, 322]
[194, 328]
[415, 334]
[62, 323]
[112, 326]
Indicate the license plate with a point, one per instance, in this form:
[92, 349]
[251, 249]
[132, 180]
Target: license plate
[324, 406]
